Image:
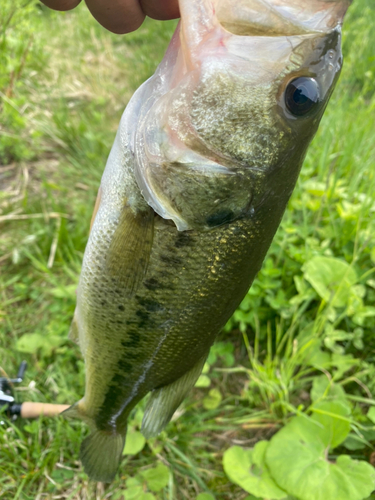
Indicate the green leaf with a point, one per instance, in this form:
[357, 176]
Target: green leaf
[134, 443]
[323, 387]
[65, 292]
[213, 399]
[203, 381]
[247, 468]
[134, 489]
[368, 434]
[343, 363]
[205, 496]
[333, 417]
[373, 255]
[331, 278]
[138, 494]
[31, 343]
[296, 457]
[310, 349]
[354, 442]
[225, 351]
[371, 414]
[157, 478]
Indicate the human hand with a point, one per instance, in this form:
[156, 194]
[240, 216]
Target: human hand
[122, 16]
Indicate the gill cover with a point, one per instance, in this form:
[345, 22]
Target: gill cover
[213, 119]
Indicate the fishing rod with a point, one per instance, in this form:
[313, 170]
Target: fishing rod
[27, 409]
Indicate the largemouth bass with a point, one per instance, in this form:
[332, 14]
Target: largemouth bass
[205, 159]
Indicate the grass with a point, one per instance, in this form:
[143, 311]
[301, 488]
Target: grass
[64, 82]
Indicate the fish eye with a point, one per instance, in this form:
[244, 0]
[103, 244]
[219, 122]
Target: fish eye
[302, 95]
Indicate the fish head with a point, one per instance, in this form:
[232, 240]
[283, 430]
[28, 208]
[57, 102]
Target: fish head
[242, 91]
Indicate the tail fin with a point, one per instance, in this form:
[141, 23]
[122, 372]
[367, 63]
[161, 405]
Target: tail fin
[101, 451]
[100, 455]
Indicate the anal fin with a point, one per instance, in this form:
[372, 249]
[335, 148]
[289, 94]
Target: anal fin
[76, 411]
[164, 402]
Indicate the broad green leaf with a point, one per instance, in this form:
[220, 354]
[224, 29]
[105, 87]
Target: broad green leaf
[334, 337]
[134, 443]
[206, 368]
[334, 420]
[212, 400]
[331, 278]
[203, 381]
[137, 493]
[325, 388]
[156, 443]
[133, 493]
[132, 482]
[136, 421]
[297, 460]
[134, 489]
[205, 496]
[373, 255]
[315, 187]
[371, 414]
[65, 292]
[225, 351]
[157, 478]
[118, 495]
[316, 357]
[310, 349]
[248, 469]
[343, 363]
[354, 442]
[31, 343]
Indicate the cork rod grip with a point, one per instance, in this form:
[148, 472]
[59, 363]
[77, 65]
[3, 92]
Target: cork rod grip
[35, 410]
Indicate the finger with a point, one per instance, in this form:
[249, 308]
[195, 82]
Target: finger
[160, 9]
[118, 16]
[61, 4]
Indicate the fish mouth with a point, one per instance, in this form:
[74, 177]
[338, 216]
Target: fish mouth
[280, 17]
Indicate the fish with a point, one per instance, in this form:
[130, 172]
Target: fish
[204, 162]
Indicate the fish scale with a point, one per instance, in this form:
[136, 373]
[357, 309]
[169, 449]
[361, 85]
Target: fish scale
[205, 159]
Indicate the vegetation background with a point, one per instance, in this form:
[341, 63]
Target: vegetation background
[303, 336]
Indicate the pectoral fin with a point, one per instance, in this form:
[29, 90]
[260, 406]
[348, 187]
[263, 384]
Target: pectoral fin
[73, 332]
[165, 401]
[130, 248]
[96, 207]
